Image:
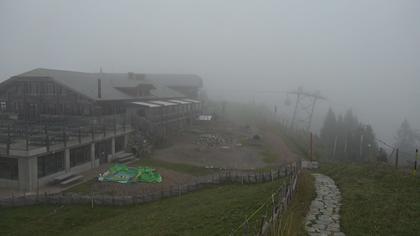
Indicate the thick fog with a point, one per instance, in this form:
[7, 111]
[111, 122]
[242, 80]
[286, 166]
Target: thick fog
[360, 54]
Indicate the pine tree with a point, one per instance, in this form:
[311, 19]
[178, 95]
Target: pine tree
[406, 141]
[347, 139]
[330, 125]
[328, 131]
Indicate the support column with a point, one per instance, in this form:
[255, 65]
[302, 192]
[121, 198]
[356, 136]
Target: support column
[67, 159]
[28, 173]
[92, 155]
[112, 156]
[126, 137]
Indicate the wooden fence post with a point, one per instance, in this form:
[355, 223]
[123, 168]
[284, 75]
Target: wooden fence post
[262, 224]
[91, 199]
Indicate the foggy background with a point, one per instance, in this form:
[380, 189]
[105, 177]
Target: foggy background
[360, 54]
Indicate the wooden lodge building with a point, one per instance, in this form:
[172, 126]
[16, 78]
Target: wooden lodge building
[55, 123]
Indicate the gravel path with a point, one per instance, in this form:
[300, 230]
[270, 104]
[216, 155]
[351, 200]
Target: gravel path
[323, 217]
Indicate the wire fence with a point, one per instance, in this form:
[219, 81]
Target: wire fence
[93, 198]
[265, 220]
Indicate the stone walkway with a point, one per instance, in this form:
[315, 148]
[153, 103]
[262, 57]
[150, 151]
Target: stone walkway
[323, 217]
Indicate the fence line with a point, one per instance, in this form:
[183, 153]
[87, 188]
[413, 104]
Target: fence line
[273, 207]
[230, 176]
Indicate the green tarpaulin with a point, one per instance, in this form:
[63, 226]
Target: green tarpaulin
[121, 173]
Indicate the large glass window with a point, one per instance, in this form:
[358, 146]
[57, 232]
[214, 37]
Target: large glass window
[50, 164]
[2, 106]
[119, 143]
[9, 168]
[79, 155]
[103, 148]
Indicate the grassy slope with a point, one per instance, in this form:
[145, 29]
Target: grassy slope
[214, 211]
[377, 200]
[292, 223]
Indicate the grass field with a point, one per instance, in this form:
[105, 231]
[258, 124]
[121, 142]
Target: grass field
[213, 211]
[377, 200]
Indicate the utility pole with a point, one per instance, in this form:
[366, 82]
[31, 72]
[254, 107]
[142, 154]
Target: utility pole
[311, 147]
[361, 146]
[295, 111]
[415, 162]
[315, 99]
[345, 149]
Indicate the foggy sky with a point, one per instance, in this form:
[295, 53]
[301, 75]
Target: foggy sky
[361, 54]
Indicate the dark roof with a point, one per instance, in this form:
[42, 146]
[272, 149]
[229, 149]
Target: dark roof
[87, 83]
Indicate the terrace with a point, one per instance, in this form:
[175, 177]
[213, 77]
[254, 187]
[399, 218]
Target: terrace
[31, 138]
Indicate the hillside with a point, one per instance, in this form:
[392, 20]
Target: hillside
[217, 210]
[377, 200]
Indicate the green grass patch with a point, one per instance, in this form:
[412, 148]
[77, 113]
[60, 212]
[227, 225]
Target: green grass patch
[377, 199]
[292, 222]
[213, 211]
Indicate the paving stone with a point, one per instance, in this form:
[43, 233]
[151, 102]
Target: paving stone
[323, 217]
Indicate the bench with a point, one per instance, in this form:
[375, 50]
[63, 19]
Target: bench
[62, 177]
[125, 159]
[71, 180]
[123, 155]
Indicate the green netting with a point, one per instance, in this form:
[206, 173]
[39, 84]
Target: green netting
[121, 173]
[149, 175]
[118, 168]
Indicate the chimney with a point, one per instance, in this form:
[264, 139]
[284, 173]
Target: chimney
[99, 88]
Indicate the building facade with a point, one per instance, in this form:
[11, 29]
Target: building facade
[55, 122]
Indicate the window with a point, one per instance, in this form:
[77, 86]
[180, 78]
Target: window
[50, 164]
[119, 143]
[2, 106]
[50, 89]
[9, 168]
[103, 148]
[33, 88]
[79, 155]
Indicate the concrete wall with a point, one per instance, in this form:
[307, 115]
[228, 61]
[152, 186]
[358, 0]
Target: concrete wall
[28, 173]
[8, 183]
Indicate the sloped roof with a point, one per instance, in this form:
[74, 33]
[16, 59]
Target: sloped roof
[176, 80]
[87, 83]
